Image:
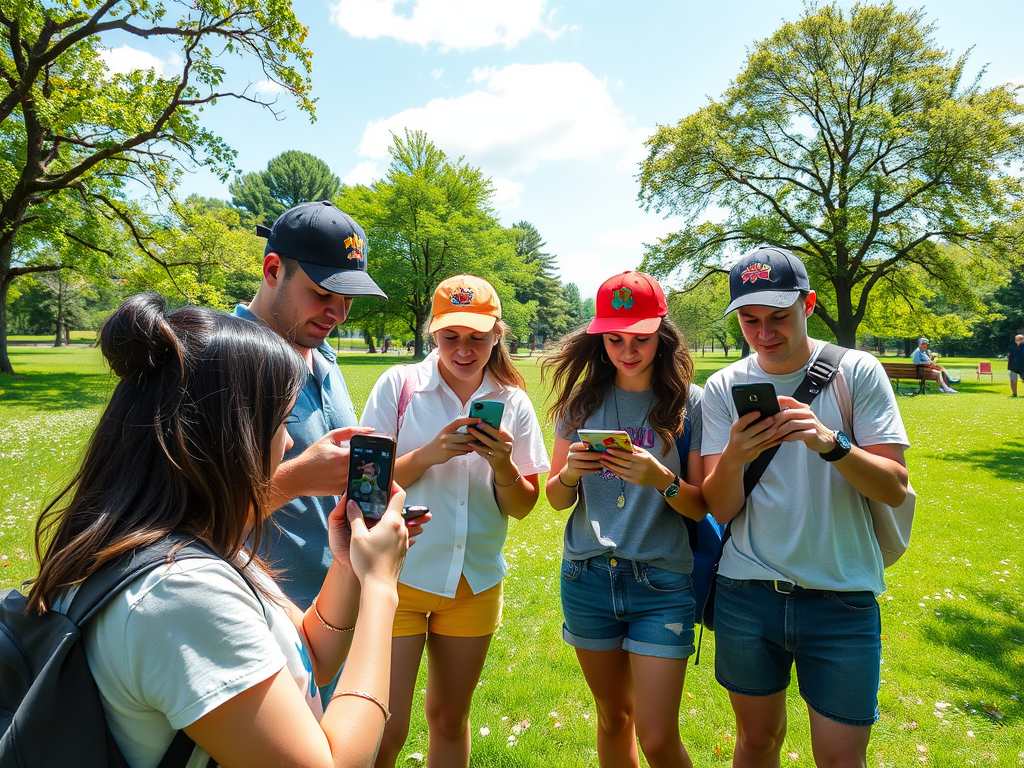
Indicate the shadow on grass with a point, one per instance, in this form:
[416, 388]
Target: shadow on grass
[994, 643]
[1003, 462]
[60, 391]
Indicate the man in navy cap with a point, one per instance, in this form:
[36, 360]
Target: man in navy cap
[801, 572]
[313, 266]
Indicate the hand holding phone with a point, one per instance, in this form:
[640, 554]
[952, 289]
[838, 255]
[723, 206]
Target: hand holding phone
[371, 468]
[603, 439]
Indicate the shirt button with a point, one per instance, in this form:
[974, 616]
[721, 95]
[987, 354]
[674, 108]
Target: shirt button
[613, 562]
[462, 503]
[458, 546]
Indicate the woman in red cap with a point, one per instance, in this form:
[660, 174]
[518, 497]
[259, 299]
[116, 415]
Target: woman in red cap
[627, 596]
[473, 478]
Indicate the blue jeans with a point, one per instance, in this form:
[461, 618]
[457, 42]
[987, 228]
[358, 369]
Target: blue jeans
[611, 603]
[834, 638]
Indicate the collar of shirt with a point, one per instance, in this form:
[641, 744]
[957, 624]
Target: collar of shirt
[435, 381]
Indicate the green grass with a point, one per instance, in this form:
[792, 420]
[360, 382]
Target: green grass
[953, 617]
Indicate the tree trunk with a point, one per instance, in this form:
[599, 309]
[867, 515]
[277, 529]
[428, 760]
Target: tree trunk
[5, 360]
[368, 338]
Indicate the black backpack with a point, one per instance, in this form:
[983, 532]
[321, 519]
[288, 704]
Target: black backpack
[50, 708]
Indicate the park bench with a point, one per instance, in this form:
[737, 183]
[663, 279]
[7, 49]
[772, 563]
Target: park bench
[898, 372]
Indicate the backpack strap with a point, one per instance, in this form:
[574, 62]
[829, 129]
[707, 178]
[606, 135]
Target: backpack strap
[102, 586]
[405, 396]
[683, 445]
[819, 375]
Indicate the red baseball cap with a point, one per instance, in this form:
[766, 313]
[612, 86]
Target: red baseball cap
[629, 303]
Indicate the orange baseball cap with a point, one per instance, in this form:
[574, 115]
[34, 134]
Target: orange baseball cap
[465, 300]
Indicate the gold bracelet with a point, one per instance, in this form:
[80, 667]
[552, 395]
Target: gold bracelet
[499, 485]
[575, 485]
[329, 626]
[368, 697]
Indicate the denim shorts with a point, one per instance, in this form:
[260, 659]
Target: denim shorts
[611, 603]
[833, 637]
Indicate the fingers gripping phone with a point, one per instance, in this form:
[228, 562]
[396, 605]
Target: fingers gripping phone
[371, 466]
[489, 411]
[758, 397]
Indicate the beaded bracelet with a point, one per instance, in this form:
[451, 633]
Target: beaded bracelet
[368, 697]
[329, 626]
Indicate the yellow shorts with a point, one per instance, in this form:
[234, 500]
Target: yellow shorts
[465, 615]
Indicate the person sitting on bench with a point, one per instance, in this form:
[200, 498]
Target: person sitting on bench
[921, 356]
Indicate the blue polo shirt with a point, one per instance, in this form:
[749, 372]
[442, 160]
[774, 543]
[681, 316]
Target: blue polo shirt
[295, 541]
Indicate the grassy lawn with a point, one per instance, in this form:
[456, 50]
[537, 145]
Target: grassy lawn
[953, 617]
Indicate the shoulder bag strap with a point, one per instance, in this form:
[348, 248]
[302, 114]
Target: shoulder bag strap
[819, 375]
[405, 396]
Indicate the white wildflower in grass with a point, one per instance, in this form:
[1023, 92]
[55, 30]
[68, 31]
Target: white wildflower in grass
[485, 731]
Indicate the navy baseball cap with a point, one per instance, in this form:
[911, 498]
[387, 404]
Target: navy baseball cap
[328, 244]
[767, 277]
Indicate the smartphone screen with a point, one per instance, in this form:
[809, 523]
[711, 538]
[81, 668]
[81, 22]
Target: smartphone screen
[371, 466]
[603, 439]
[759, 397]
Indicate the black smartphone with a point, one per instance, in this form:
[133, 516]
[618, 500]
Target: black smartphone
[758, 397]
[371, 466]
[412, 511]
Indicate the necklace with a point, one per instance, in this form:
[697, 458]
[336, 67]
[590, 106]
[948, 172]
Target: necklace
[621, 501]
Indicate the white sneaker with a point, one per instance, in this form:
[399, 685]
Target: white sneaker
[949, 391]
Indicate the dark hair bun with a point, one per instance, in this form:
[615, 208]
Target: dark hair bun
[137, 340]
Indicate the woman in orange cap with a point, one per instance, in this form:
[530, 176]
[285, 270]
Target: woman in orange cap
[473, 478]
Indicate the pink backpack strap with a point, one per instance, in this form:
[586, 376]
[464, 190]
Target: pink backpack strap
[408, 387]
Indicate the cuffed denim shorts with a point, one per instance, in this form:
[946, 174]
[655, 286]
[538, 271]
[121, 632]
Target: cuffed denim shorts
[833, 637]
[611, 603]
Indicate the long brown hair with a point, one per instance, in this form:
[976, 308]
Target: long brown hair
[183, 447]
[581, 375]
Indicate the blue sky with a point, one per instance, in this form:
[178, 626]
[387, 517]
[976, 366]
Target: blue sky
[552, 99]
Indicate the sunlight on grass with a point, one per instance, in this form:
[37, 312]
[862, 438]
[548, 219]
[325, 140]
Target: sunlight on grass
[953, 617]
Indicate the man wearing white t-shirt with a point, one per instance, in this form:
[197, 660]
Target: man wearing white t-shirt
[800, 574]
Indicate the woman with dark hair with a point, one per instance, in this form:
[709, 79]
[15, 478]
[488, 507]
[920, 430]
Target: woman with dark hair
[186, 450]
[473, 477]
[627, 598]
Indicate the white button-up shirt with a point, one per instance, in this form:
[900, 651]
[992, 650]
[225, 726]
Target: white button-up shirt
[467, 530]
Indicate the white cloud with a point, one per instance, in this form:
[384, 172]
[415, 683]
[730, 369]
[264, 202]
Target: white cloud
[126, 59]
[633, 237]
[507, 193]
[436, 73]
[524, 115]
[268, 86]
[364, 173]
[460, 24]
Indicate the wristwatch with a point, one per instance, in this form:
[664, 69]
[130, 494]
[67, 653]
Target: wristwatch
[843, 446]
[672, 489]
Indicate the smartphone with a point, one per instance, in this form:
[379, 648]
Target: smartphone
[759, 397]
[371, 466]
[603, 439]
[489, 411]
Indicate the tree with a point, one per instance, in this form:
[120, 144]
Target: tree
[697, 311]
[854, 141]
[291, 178]
[428, 219]
[73, 133]
[545, 289]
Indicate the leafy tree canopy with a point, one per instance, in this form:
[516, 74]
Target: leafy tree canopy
[73, 133]
[291, 178]
[852, 139]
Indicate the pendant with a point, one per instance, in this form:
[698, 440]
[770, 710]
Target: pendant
[621, 501]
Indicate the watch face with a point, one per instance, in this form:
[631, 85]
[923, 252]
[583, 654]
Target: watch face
[843, 441]
[671, 491]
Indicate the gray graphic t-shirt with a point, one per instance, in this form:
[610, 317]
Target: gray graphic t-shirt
[646, 529]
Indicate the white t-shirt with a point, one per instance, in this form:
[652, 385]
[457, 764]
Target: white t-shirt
[803, 522]
[180, 641]
[467, 530]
